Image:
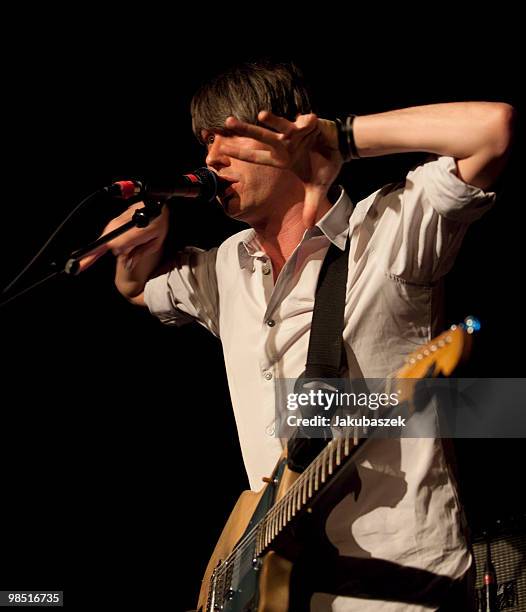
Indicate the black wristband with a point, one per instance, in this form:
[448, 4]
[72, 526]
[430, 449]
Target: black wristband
[343, 145]
[346, 143]
[353, 151]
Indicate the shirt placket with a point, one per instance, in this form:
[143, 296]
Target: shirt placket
[274, 295]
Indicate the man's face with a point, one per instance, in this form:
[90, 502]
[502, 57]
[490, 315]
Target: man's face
[256, 191]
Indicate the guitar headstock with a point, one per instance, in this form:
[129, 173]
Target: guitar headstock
[442, 354]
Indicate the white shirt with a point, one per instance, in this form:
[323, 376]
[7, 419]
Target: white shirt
[404, 238]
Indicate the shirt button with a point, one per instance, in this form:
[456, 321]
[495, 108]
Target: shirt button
[268, 375]
[271, 322]
[270, 430]
[266, 268]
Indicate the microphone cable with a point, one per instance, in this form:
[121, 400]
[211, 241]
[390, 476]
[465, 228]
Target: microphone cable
[46, 245]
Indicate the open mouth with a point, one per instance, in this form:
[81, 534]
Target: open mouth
[228, 194]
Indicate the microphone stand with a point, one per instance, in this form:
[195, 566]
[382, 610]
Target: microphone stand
[141, 218]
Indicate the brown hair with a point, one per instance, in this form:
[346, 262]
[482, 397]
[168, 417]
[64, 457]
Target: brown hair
[246, 89]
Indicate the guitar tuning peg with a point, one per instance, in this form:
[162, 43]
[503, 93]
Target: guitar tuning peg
[472, 324]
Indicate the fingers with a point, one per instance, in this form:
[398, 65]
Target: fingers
[303, 124]
[284, 126]
[89, 260]
[126, 244]
[306, 123]
[134, 237]
[143, 250]
[241, 128]
[254, 156]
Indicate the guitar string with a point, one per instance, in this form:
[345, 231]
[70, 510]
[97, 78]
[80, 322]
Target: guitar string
[249, 537]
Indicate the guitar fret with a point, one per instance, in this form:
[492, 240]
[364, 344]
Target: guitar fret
[316, 476]
[323, 469]
[346, 449]
[298, 498]
[339, 452]
[331, 449]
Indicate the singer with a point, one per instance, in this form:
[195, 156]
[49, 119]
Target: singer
[400, 542]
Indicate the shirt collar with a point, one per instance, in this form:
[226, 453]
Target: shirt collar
[335, 222]
[334, 225]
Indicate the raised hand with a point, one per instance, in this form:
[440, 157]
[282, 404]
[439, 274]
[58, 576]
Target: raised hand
[134, 244]
[308, 147]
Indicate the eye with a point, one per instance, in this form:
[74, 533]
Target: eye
[209, 139]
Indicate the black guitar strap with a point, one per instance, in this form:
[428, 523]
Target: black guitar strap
[326, 355]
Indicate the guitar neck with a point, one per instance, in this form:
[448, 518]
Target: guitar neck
[439, 356]
[306, 490]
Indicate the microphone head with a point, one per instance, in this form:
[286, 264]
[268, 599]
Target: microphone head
[201, 183]
[212, 184]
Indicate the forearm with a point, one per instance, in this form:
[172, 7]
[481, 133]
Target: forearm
[131, 275]
[458, 129]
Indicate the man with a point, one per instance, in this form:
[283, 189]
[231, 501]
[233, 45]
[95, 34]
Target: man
[403, 538]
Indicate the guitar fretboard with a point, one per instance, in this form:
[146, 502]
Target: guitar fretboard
[300, 494]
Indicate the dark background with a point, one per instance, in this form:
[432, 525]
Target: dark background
[104, 491]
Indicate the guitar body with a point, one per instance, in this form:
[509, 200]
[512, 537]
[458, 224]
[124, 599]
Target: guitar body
[262, 586]
[265, 586]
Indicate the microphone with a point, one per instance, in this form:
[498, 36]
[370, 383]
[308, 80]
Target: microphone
[199, 183]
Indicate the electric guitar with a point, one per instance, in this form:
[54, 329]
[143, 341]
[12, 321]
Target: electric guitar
[250, 568]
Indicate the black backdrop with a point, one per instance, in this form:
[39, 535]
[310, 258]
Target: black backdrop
[104, 490]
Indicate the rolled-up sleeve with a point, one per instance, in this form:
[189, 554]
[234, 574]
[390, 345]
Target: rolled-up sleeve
[429, 214]
[449, 195]
[188, 292]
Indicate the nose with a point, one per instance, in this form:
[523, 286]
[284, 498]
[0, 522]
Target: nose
[214, 158]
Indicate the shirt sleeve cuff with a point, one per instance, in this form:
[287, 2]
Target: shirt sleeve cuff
[158, 299]
[449, 195]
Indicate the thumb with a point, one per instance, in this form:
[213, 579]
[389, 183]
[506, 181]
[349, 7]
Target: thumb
[311, 205]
